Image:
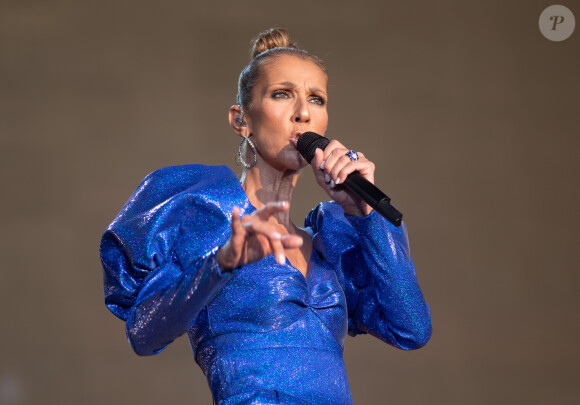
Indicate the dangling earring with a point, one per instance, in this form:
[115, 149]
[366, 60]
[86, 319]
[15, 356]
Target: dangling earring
[241, 150]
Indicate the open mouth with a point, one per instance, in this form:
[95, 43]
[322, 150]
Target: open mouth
[295, 137]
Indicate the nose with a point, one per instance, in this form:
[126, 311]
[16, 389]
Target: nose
[302, 113]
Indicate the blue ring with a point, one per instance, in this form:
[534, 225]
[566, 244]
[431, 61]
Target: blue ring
[352, 155]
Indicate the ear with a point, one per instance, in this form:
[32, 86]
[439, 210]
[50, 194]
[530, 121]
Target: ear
[237, 121]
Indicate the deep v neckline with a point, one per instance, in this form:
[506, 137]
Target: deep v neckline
[308, 267]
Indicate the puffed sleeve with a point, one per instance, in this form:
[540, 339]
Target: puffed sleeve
[159, 254]
[374, 267]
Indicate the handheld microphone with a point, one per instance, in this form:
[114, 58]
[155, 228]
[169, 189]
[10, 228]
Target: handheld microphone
[307, 144]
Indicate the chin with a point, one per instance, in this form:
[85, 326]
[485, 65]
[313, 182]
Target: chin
[300, 162]
[292, 161]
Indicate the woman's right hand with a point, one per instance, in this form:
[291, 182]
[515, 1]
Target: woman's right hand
[254, 237]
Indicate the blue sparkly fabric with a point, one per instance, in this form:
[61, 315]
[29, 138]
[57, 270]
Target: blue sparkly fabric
[262, 334]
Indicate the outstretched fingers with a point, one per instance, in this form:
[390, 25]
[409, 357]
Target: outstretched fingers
[269, 239]
[254, 237]
[229, 256]
[272, 208]
[292, 241]
[238, 232]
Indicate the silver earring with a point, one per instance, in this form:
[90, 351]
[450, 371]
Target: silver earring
[241, 150]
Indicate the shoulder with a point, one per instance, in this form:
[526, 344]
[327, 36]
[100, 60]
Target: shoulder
[214, 185]
[195, 200]
[182, 210]
[190, 172]
[175, 179]
[325, 212]
[332, 234]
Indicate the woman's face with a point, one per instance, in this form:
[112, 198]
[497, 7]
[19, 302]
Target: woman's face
[289, 98]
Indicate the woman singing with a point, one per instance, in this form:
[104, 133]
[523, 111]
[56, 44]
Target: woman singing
[266, 304]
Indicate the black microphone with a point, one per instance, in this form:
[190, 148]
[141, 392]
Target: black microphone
[307, 144]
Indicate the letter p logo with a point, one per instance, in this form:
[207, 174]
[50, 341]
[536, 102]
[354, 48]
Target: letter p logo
[557, 23]
[558, 19]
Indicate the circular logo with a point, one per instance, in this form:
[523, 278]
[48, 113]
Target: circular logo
[557, 23]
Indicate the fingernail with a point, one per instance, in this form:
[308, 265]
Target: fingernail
[281, 259]
[337, 180]
[326, 178]
[322, 164]
[276, 235]
[331, 183]
[281, 203]
[247, 224]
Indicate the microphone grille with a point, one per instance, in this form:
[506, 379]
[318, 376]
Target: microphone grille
[308, 142]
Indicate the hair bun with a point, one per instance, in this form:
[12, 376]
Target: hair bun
[271, 38]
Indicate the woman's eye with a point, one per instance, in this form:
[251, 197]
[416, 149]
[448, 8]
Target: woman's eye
[318, 100]
[280, 94]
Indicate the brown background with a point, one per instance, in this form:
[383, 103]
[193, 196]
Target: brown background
[470, 114]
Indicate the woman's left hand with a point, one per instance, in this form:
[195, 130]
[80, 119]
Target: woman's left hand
[332, 165]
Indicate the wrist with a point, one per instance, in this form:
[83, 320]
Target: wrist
[224, 264]
[361, 211]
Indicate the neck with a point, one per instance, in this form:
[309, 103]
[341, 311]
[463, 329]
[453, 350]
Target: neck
[264, 184]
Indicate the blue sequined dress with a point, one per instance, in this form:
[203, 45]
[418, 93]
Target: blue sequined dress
[263, 333]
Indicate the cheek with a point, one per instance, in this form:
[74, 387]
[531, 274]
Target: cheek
[274, 118]
[322, 121]
[272, 127]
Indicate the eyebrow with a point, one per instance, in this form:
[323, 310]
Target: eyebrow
[290, 84]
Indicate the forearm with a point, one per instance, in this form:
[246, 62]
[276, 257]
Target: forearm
[168, 312]
[391, 305]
